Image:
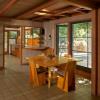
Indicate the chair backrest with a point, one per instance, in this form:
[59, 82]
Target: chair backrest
[33, 71]
[49, 51]
[70, 71]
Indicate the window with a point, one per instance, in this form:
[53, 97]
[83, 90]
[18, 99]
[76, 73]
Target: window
[13, 34]
[62, 40]
[81, 43]
[36, 33]
[31, 34]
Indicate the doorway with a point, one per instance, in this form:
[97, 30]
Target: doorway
[11, 35]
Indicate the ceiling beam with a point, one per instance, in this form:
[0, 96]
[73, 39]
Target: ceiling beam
[54, 17]
[65, 10]
[58, 12]
[2, 18]
[36, 15]
[38, 8]
[7, 6]
[87, 4]
[43, 17]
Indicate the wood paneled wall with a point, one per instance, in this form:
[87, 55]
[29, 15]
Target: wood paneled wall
[1, 47]
[20, 22]
[98, 52]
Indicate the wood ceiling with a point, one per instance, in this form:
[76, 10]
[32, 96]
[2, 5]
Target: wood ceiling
[41, 10]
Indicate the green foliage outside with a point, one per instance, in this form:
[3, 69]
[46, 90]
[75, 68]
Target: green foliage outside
[63, 30]
[82, 29]
[36, 32]
[13, 34]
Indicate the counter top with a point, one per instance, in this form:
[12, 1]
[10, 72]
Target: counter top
[36, 47]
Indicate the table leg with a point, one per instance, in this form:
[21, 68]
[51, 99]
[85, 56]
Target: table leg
[49, 77]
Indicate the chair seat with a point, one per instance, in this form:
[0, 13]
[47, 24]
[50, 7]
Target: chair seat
[41, 70]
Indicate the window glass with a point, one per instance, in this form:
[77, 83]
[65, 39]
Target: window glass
[80, 44]
[89, 60]
[36, 32]
[80, 29]
[81, 58]
[89, 45]
[62, 43]
[13, 34]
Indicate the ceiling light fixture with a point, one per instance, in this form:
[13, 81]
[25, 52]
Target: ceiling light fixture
[41, 13]
[44, 10]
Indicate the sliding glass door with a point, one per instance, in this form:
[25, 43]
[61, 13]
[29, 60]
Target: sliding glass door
[62, 40]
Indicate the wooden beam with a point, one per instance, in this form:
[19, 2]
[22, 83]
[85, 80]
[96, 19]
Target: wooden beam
[35, 15]
[55, 17]
[38, 8]
[65, 10]
[87, 4]
[58, 12]
[2, 18]
[7, 6]
[40, 18]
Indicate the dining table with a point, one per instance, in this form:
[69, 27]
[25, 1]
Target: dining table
[50, 62]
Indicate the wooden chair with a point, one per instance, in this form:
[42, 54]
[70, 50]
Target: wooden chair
[49, 52]
[37, 75]
[66, 76]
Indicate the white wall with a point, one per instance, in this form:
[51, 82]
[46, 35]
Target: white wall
[49, 30]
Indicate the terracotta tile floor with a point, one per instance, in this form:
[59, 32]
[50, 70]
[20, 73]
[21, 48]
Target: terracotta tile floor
[14, 85]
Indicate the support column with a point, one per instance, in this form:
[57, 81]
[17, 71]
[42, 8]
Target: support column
[95, 76]
[70, 38]
[98, 73]
[22, 31]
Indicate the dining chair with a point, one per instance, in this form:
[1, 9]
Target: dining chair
[66, 76]
[49, 52]
[37, 73]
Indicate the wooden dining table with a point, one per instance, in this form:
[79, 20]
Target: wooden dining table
[49, 63]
